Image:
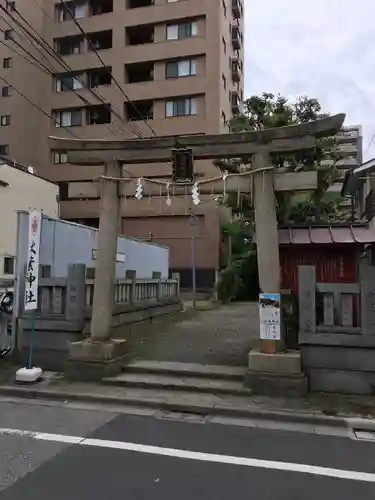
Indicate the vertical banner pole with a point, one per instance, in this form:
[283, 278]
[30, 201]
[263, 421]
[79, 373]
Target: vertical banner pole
[32, 339]
[30, 373]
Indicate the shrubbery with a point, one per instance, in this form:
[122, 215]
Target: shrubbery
[239, 280]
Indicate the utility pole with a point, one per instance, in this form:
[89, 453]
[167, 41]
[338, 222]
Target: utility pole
[193, 257]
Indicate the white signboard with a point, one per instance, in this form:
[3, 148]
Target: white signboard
[32, 266]
[269, 312]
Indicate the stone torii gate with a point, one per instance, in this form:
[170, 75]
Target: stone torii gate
[255, 147]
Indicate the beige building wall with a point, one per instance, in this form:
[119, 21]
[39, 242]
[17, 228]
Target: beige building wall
[20, 190]
[215, 88]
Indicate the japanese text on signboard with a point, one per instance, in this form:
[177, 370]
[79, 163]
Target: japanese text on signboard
[32, 265]
[269, 311]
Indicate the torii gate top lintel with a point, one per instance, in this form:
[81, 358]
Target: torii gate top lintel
[151, 150]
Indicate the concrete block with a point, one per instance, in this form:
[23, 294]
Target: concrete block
[341, 381]
[277, 385]
[97, 351]
[287, 363]
[93, 361]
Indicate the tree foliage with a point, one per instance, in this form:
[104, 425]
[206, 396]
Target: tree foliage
[239, 280]
[270, 111]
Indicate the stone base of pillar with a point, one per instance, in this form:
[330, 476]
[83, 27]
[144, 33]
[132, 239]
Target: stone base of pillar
[278, 374]
[93, 361]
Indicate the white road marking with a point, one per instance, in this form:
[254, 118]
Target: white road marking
[193, 455]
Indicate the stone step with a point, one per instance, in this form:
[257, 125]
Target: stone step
[172, 383]
[186, 369]
[151, 402]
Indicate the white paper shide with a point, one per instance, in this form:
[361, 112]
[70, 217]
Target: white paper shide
[269, 312]
[32, 266]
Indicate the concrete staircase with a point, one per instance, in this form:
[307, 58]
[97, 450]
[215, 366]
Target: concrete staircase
[180, 386]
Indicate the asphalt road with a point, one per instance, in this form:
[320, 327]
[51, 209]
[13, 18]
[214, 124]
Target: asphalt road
[87, 454]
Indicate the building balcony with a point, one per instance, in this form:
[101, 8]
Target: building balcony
[348, 134]
[236, 9]
[163, 50]
[342, 163]
[347, 162]
[162, 89]
[236, 70]
[235, 102]
[236, 37]
[347, 149]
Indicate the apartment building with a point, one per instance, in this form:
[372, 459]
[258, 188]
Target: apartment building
[165, 67]
[349, 151]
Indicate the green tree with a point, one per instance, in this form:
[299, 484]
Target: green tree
[239, 280]
[268, 111]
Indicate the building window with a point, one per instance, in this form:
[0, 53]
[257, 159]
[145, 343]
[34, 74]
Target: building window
[99, 7]
[8, 34]
[4, 120]
[6, 91]
[7, 62]
[68, 118]
[182, 30]
[69, 45]
[8, 265]
[10, 6]
[60, 157]
[185, 67]
[224, 45]
[224, 8]
[63, 191]
[68, 81]
[224, 80]
[98, 115]
[4, 149]
[181, 107]
[77, 9]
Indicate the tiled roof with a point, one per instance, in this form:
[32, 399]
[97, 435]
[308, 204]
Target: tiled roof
[326, 235]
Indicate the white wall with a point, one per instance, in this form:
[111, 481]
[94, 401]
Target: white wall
[24, 191]
[63, 243]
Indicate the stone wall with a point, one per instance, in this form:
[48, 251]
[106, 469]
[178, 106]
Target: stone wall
[337, 354]
[339, 363]
[64, 314]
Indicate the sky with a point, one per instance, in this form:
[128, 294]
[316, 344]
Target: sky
[319, 48]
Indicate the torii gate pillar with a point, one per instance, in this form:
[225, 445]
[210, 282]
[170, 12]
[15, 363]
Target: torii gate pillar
[272, 370]
[105, 270]
[266, 235]
[99, 355]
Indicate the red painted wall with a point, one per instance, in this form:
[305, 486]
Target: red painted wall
[333, 263]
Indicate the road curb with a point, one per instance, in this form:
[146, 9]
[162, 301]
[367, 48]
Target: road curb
[361, 424]
[315, 419]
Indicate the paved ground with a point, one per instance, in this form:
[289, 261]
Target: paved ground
[220, 336]
[87, 455]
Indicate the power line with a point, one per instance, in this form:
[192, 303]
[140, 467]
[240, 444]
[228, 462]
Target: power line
[61, 61]
[50, 50]
[35, 60]
[370, 143]
[23, 56]
[93, 49]
[52, 53]
[49, 72]
[44, 12]
[35, 105]
[25, 38]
